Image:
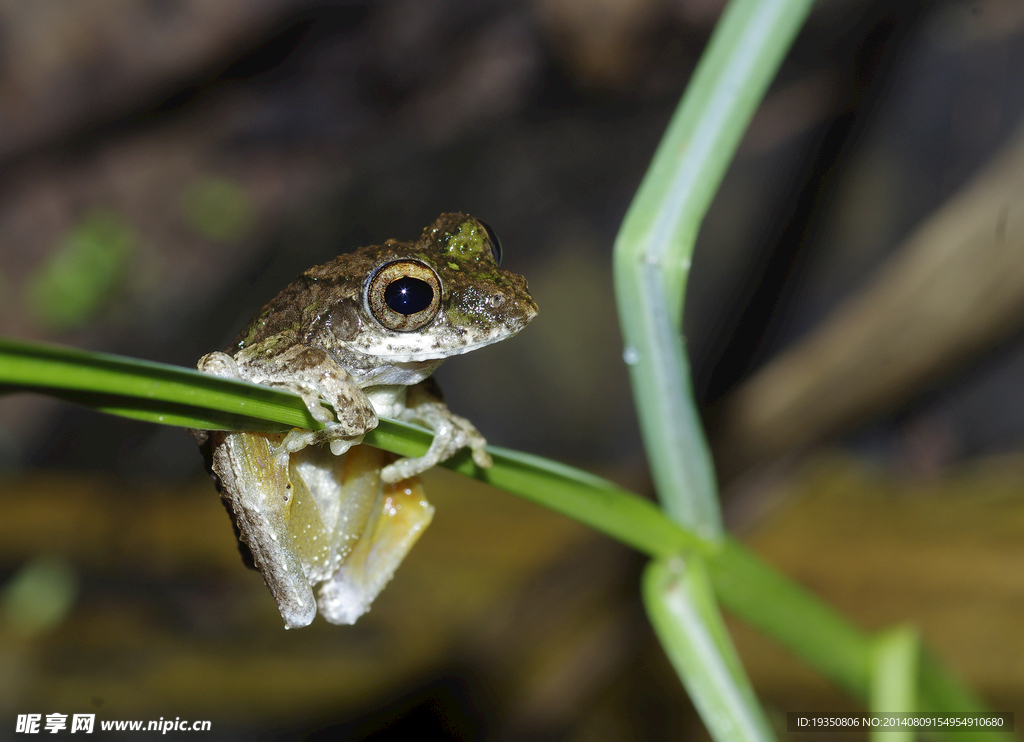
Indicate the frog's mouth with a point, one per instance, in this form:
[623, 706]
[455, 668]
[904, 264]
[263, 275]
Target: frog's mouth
[443, 340]
[435, 350]
[395, 366]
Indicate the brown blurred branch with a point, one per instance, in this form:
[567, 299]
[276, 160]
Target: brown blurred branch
[67, 66]
[955, 287]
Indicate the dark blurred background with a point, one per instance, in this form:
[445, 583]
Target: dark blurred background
[853, 319]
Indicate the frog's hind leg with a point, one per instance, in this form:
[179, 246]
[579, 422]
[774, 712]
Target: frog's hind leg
[256, 489]
[400, 514]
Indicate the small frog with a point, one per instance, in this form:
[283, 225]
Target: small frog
[362, 333]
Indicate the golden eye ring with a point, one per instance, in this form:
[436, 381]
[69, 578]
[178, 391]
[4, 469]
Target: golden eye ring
[404, 295]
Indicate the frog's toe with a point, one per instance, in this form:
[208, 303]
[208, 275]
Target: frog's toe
[296, 440]
[481, 458]
[406, 468]
[467, 435]
[320, 413]
[339, 437]
[310, 397]
[340, 446]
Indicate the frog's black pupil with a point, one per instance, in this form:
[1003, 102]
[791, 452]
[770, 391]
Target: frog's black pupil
[495, 243]
[408, 295]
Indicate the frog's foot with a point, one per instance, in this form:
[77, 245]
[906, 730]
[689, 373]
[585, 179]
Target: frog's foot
[335, 434]
[223, 365]
[311, 373]
[310, 396]
[451, 433]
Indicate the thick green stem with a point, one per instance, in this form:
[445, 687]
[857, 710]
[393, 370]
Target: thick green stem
[651, 267]
[653, 248]
[894, 679]
[681, 605]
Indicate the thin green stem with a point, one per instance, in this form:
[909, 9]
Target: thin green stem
[595, 502]
[149, 391]
[775, 604]
[744, 584]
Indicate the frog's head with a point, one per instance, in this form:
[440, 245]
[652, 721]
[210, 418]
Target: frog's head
[441, 296]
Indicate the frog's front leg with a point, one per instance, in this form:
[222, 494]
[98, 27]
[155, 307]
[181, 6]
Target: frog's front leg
[313, 375]
[451, 433]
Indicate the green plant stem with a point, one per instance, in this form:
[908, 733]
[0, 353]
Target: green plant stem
[143, 390]
[651, 266]
[748, 587]
[679, 600]
[784, 610]
[894, 679]
[654, 246]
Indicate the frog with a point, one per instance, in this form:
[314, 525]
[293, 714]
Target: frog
[357, 338]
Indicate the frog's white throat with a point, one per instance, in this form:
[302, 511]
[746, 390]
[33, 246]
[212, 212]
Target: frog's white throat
[404, 373]
[388, 400]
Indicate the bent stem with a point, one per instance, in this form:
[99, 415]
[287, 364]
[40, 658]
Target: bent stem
[651, 267]
[656, 241]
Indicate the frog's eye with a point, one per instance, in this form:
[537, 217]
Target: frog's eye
[404, 296]
[495, 242]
